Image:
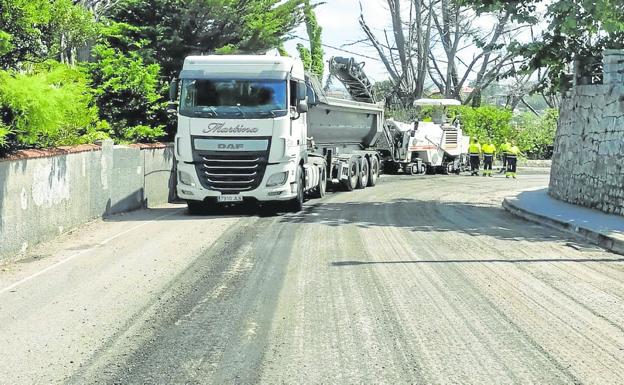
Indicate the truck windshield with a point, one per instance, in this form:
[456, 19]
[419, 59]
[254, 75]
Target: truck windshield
[233, 98]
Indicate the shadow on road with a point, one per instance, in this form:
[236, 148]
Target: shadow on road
[179, 212]
[428, 216]
[468, 261]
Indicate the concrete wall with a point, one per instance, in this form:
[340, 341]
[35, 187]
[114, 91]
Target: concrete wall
[588, 160]
[41, 198]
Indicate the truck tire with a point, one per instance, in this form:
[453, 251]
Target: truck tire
[450, 168]
[412, 169]
[374, 171]
[409, 168]
[363, 174]
[296, 204]
[353, 174]
[320, 190]
[196, 207]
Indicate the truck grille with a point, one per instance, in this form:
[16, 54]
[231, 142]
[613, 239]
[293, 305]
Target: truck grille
[231, 172]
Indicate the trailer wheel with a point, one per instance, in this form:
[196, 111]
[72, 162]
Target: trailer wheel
[319, 191]
[353, 174]
[296, 204]
[374, 171]
[363, 175]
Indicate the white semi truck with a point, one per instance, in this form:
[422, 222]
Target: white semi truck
[257, 128]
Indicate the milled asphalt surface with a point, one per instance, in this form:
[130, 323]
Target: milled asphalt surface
[419, 280]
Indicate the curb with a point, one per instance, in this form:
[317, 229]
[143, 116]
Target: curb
[605, 241]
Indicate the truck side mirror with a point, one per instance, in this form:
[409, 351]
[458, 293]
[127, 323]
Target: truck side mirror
[173, 90]
[302, 91]
[302, 106]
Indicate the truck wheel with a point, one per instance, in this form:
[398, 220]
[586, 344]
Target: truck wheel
[352, 177]
[196, 207]
[374, 171]
[296, 204]
[409, 168]
[363, 175]
[413, 169]
[423, 169]
[322, 185]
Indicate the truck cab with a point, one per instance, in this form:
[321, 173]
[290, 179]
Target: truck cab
[241, 129]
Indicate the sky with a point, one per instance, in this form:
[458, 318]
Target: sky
[339, 20]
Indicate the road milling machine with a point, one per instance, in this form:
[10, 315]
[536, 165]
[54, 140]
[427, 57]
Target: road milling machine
[433, 145]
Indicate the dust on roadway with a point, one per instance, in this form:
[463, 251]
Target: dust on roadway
[419, 280]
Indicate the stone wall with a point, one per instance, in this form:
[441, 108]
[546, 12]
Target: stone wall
[43, 197]
[588, 160]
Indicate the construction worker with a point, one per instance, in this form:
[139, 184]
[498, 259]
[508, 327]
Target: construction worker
[489, 151]
[512, 161]
[504, 151]
[474, 150]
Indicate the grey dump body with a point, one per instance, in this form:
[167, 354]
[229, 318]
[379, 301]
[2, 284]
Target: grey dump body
[346, 124]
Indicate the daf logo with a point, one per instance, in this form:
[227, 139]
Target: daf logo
[223, 146]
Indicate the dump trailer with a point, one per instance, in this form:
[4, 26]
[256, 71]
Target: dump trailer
[257, 128]
[437, 145]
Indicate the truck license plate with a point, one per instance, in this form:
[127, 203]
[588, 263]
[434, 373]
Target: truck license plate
[230, 198]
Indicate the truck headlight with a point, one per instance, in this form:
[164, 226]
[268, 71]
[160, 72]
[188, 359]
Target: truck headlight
[185, 178]
[277, 179]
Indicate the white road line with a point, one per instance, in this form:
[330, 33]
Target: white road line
[104, 242]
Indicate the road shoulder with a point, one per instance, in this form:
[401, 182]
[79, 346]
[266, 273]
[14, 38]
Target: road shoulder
[602, 229]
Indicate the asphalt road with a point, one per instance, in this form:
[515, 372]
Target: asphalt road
[419, 280]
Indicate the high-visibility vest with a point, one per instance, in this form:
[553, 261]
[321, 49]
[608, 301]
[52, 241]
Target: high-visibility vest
[514, 150]
[474, 148]
[505, 147]
[489, 149]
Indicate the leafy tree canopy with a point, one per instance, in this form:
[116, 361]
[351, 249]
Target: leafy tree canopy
[169, 30]
[573, 27]
[37, 30]
[315, 60]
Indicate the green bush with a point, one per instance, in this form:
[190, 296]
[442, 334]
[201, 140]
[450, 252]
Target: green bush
[143, 133]
[4, 134]
[50, 106]
[536, 134]
[487, 122]
[128, 93]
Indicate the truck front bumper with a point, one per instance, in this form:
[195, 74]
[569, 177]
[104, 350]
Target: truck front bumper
[193, 190]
